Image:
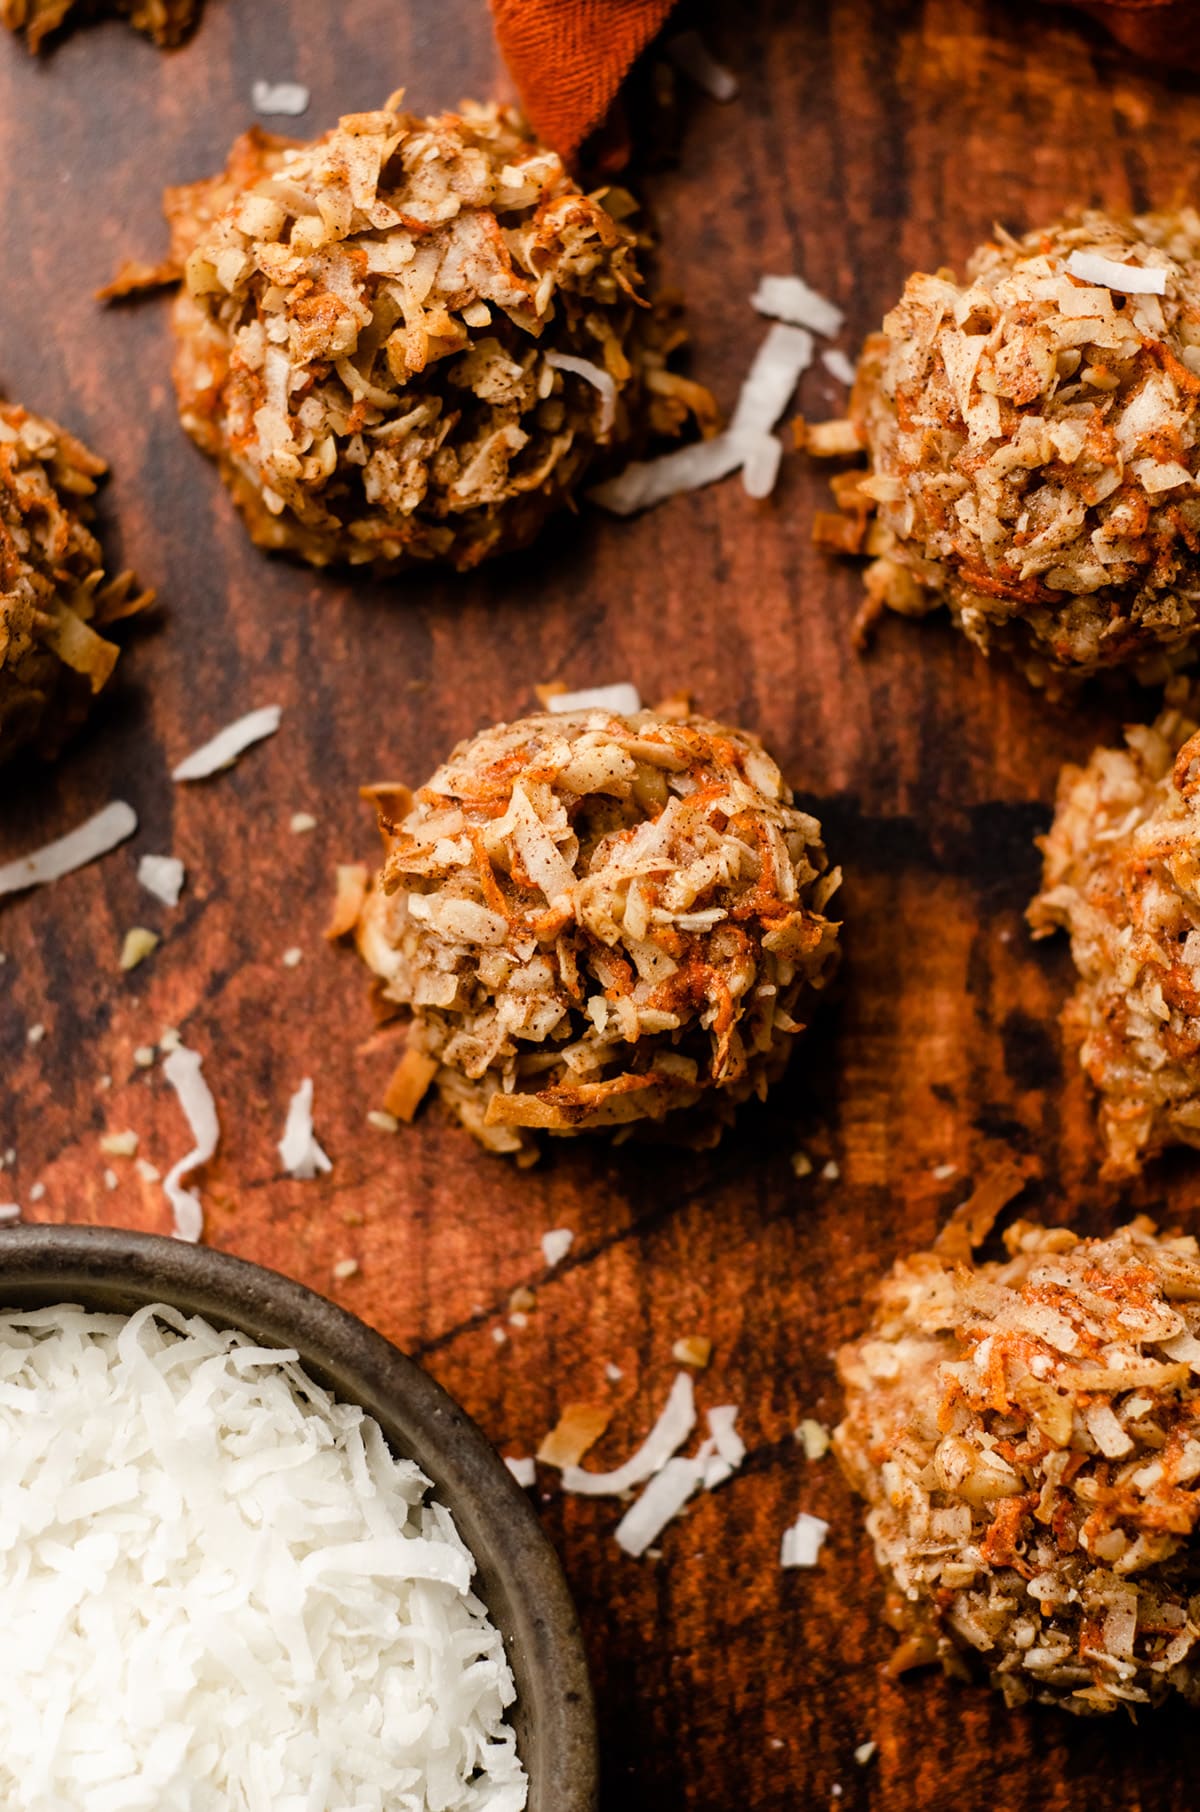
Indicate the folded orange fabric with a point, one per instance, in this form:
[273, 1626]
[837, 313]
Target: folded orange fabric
[570, 57]
[1159, 30]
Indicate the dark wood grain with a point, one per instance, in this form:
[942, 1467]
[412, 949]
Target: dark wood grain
[870, 138]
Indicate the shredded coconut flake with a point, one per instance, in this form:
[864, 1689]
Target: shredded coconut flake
[1130, 279]
[763, 456]
[598, 378]
[791, 299]
[163, 876]
[523, 1470]
[298, 1149]
[226, 1591]
[781, 360]
[286, 98]
[556, 1245]
[182, 1069]
[662, 1500]
[667, 1436]
[648, 482]
[692, 57]
[838, 365]
[9, 1212]
[224, 748]
[802, 1543]
[622, 699]
[92, 839]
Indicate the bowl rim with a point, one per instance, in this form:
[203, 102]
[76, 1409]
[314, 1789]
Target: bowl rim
[519, 1575]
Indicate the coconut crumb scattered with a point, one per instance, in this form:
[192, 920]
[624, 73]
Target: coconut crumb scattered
[344, 1269]
[578, 1428]
[864, 1753]
[814, 1437]
[111, 1179]
[802, 1543]
[149, 1173]
[302, 822]
[9, 1212]
[143, 1056]
[138, 945]
[383, 1122]
[802, 1164]
[163, 876]
[287, 99]
[292, 957]
[943, 1172]
[694, 1350]
[523, 1470]
[831, 1171]
[119, 1145]
[35, 1034]
[556, 1245]
[37, 1192]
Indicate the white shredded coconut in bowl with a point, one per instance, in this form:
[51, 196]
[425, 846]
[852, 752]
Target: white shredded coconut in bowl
[221, 1592]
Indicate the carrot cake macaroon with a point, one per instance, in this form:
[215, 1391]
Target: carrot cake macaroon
[1033, 447]
[55, 601]
[409, 339]
[1026, 1434]
[593, 919]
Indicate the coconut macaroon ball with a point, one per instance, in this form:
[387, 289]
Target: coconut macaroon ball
[54, 599]
[1033, 444]
[1027, 1436]
[406, 340]
[1122, 876]
[596, 919]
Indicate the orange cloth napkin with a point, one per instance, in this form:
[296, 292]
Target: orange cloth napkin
[569, 57]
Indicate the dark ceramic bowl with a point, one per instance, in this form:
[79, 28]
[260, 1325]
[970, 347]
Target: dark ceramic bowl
[519, 1577]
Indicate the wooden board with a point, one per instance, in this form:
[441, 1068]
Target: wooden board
[870, 138]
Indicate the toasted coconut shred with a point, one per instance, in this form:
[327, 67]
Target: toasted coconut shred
[593, 920]
[226, 1591]
[168, 22]
[1033, 443]
[1027, 1436]
[55, 601]
[407, 339]
[1122, 876]
[229, 744]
